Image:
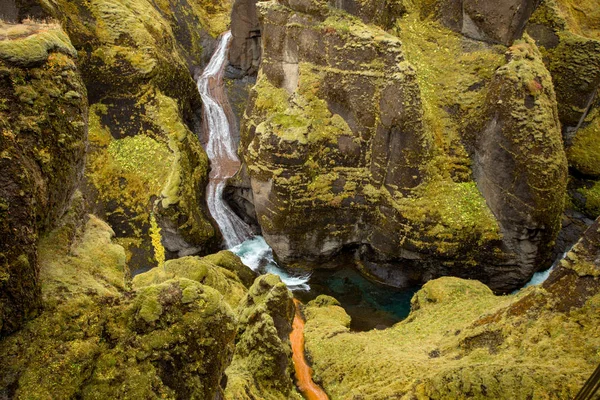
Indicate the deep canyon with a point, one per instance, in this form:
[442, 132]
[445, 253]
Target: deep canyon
[287, 199]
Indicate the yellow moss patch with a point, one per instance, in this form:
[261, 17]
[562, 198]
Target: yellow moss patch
[457, 340]
[31, 43]
[93, 264]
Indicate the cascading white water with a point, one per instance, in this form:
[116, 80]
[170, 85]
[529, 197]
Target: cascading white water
[220, 148]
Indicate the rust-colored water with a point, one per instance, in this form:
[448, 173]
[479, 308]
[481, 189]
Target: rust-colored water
[309, 389]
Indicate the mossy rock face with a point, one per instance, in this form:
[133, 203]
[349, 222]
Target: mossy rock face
[584, 153]
[170, 338]
[567, 31]
[261, 365]
[146, 160]
[460, 340]
[362, 146]
[43, 131]
[521, 166]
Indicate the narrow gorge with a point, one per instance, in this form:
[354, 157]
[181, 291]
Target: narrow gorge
[287, 199]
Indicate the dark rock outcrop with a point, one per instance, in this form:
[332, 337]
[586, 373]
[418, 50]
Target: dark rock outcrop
[358, 149]
[571, 40]
[245, 50]
[520, 165]
[498, 22]
[43, 130]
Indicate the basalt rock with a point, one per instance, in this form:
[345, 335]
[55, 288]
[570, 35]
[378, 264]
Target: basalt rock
[359, 146]
[520, 164]
[43, 129]
[569, 36]
[245, 48]
[498, 22]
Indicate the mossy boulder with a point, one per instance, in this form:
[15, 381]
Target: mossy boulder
[261, 365]
[460, 340]
[221, 271]
[43, 128]
[170, 338]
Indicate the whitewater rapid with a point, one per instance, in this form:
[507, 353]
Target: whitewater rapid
[221, 150]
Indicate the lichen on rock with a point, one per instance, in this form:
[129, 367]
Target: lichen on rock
[261, 366]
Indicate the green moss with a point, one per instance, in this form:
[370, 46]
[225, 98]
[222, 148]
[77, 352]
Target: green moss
[592, 200]
[582, 17]
[261, 366]
[458, 339]
[34, 44]
[206, 270]
[453, 84]
[584, 153]
[91, 265]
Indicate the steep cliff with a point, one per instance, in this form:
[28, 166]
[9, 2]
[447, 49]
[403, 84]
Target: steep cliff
[43, 129]
[361, 143]
[145, 162]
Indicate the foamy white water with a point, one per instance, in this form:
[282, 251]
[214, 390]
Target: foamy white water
[220, 148]
[257, 254]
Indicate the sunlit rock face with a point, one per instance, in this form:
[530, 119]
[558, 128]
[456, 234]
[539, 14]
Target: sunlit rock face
[372, 146]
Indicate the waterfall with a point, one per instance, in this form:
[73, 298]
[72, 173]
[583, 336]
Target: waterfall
[221, 151]
[220, 147]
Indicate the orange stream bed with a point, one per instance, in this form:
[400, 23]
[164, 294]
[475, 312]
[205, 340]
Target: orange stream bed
[309, 389]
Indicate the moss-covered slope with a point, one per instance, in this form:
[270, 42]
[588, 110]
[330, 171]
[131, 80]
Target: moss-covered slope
[460, 340]
[171, 337]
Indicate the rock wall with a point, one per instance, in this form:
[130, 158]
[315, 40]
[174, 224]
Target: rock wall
[500, 22]
[43, 124]
[520, 164]
[361, 148]
[146, 161]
